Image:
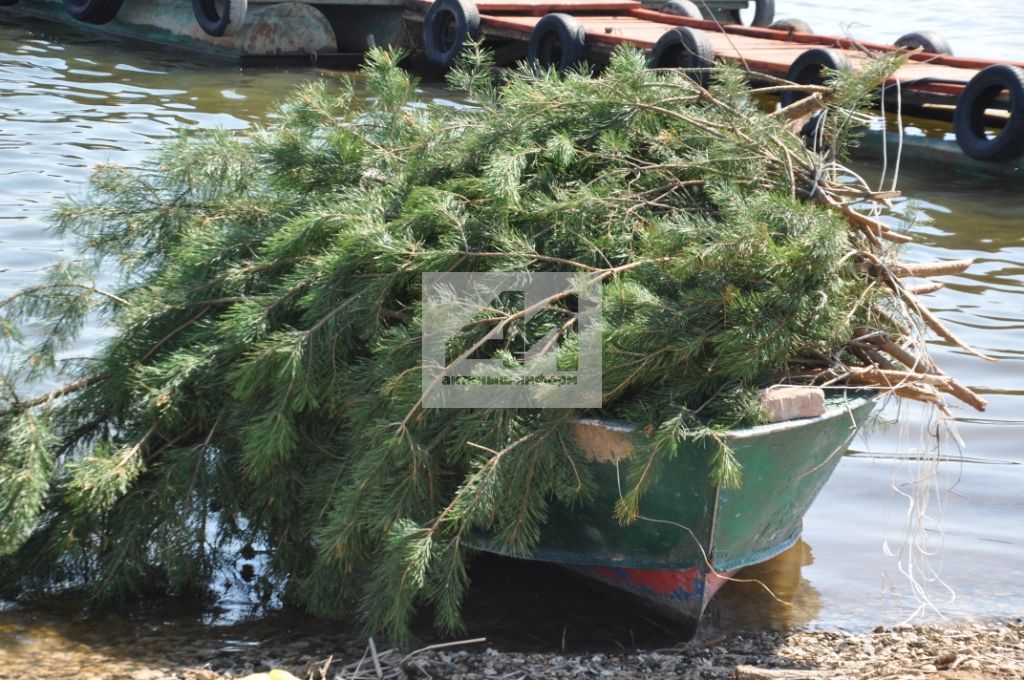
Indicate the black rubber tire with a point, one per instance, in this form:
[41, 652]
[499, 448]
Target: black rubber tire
[929, 41]
[226, 21]
[807, 69]
[681, 8]
[559, 41]
[93, 11]
[792, 25]
[969, 119]
[685, 48]
[448, 26]
[764, 14]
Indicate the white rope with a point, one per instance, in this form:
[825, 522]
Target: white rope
[899, 126]
[885, 142]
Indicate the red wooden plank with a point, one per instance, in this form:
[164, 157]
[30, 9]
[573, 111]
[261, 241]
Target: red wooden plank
[811, 39]
[545, 6]
[757, 53]
[519, 23]
[743, 51]
[759, 49]
[535, 7]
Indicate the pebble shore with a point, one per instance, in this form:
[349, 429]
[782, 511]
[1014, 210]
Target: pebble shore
[965, 651]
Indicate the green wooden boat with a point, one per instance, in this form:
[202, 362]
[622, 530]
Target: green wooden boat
[693, 534]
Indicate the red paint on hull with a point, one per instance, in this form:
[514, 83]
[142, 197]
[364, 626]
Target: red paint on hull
[681, 594]
[663, 582]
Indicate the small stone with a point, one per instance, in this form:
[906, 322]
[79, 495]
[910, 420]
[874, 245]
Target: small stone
[200, 674]
[879, 629]
[276, 674]
[147, 674]
[929, 668]
[221, 664]
[945, 660]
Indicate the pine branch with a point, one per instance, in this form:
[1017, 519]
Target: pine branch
[36, 290]
[62, 391]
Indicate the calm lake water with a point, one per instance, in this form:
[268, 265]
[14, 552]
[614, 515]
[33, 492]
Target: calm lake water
[70, 99]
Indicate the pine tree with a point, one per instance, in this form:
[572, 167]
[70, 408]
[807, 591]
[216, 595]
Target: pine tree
[262, 371]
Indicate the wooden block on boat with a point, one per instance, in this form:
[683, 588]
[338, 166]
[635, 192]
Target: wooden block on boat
[789, 402]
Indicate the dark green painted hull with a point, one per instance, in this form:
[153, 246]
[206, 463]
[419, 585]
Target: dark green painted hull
[691, 533]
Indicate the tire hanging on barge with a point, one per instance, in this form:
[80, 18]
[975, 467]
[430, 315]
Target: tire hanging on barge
[792, 26]
[681, 8]
[684, 48]
[809, 69]
[764, 13]
[447, 27]
[928, 41]
[981, 93]
[558, 41]
[220, 17]
[93, 11]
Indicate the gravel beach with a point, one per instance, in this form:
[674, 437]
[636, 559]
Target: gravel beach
[965, 651]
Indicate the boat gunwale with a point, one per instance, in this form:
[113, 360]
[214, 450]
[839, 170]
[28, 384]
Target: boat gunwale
[834, 410]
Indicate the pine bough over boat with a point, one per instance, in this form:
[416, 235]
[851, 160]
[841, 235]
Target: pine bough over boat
[265, 375]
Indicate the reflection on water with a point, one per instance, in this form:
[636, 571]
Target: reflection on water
[772, 595]
[69, 100]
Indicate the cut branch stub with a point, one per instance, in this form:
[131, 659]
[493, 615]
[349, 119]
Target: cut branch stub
[925, 288]
[924, 364]
[875, 227]
[926, 269]
[941, 329]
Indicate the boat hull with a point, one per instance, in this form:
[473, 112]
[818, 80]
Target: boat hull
[691, 534]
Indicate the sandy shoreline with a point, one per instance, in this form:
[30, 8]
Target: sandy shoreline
[965, 651]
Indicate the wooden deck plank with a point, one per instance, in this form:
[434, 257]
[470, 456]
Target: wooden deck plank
[557, 5]
[811, 40]
[760, 54]
[540, 7]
